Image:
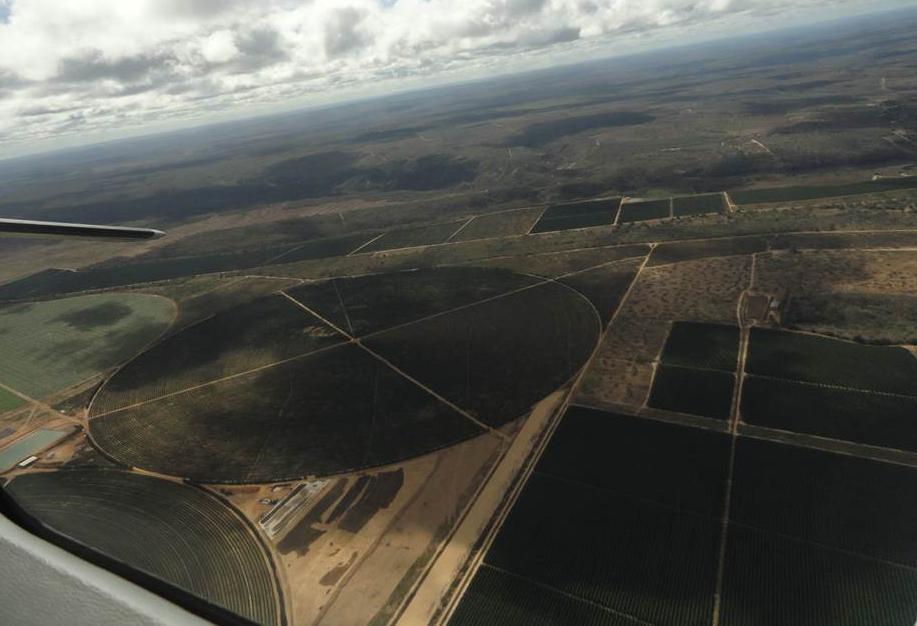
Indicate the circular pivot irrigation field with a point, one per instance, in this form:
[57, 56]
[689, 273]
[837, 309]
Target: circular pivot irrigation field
[173, 532]
[344, 374]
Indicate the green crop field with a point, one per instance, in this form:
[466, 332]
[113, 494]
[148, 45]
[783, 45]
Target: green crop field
[212, 421]
[582, 220]
[50, 345]
[688, 471]
[618, 552]
[587, 207]
[173, 532]
[120, 272]
[503, 224]
[604, 286]
[706, 346]
[328, 247]
[838, 526]
[9, 401]
[645, 210]
[698, 205]
[415, 236]
[498, 358]
[835, 500]
[810, 358]
[334, 411]
[373, 303]
[496, 597]
[677, 251]
[263, 331]
[687, 390]
[815, 585]
[860, 416]
[578, 215]
[554, 264]
[597, 526]
[813, 192]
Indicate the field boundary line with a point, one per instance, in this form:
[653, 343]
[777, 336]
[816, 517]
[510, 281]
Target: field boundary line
[235, 272]
[724, 532]
[430, 391]
[539, 254]
[618, 211]
[828, 547]
[335, 327]
[486, 541]
[568, 595]
[269, 277]
[462, 307]
[655, 415]
[656, 362]
[649, 390]
[337, 290]
[833, 387]
[460, 229]
[539, 282]
[161, 338]
[315, 314]
[220, 380]
[39, 404]
[522, 237]
[734, 409]
[820, 443]
[409, 596]
[277, 257]
[366, 243]
[535, 223]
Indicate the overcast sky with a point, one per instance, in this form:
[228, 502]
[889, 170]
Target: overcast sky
[75, 71]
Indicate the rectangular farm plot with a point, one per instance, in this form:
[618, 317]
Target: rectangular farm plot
[865, 417]
[835, 500]
[620, 553]
[498, 597]
[688, 468]
[503, 224]
[578, 215]
[323, 248]
[770, 579]
[811, 358]
[643, 210]
[706, 346]
[813, 192]
[677, 251]
[413, 237]
[699, 205]
[818, 537]
[33, 443]
[707, 393]
[622, 514]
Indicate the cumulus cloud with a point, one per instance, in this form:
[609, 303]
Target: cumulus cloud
[77, 67]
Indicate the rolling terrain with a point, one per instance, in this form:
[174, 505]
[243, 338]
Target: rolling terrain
[631, 342]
